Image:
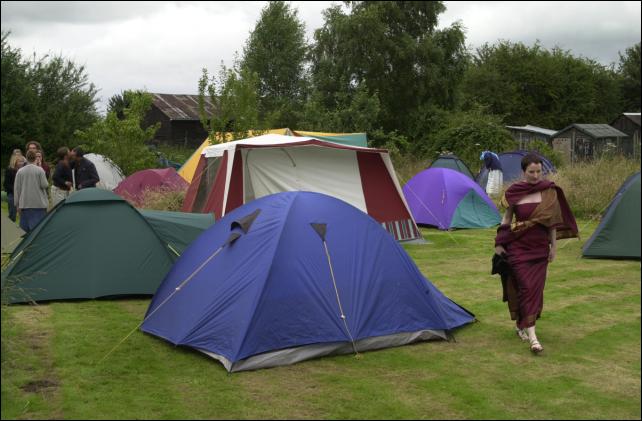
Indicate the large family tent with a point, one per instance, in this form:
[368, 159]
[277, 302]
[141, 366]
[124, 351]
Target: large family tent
[11, 233]
[512, 167]
[108, 172]
[134, 187]
[454, 163]
[177, 230]
[234, 173]
[618, 234]
[294, 276]
[93, 244]
[447, 199]
[189, 167]
[351, 139]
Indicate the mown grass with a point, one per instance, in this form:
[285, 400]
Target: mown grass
[590, 368]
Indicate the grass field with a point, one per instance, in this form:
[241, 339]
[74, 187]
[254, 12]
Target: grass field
[590, 368]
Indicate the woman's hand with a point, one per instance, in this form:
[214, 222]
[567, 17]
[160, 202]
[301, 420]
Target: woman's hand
[551, 254]
[500, 250]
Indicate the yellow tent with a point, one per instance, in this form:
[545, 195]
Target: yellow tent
[189, 167]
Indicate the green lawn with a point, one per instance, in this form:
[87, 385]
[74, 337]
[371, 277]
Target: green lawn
[590, 368]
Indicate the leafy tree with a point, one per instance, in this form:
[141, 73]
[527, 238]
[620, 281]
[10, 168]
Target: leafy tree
[629, 70]
[18, 99]
[532, 85]
[394, 48]
[43, 99]
[123, 140]
[234, 95]
[276, 52]
[468, 133]
[356, 113]
[118, 102]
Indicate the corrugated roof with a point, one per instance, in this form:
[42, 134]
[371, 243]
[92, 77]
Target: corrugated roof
[180, 107]
[533, 129]
[634, 117]
[596, 130]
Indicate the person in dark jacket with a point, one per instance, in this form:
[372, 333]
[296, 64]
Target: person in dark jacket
[62, 178]
[16, 162]
[84, 170]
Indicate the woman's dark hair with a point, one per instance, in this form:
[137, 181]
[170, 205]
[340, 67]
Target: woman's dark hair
[62, 152]
[529, 159]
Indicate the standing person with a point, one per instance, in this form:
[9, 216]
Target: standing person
[84, 170]
[528, 245]
[35, 146]
[62, 178]
[30, 193]
[40, 161]
[15, 163]
[495, 174]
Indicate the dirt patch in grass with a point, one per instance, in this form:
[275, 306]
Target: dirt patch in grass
[35, 338]
[36, 386]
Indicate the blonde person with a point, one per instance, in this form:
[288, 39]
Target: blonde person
[62, 178]
[15, 163]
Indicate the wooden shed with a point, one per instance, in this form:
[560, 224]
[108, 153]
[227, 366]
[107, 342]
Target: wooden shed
[629, 123]
[579, 142]
[179, 118]
[524, 135]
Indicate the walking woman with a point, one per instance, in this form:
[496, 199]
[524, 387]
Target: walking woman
[542, 216]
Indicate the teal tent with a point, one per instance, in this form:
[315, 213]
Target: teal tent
[618, 234]
[93, 244]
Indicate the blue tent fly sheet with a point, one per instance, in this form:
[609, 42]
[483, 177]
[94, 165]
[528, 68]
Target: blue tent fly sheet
[293, 276]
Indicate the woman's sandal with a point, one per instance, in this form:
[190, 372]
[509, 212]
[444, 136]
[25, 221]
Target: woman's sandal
[521, 333]
[536, 347]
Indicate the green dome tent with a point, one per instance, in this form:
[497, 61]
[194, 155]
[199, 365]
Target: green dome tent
[178, 229]
[454, 163]
[618, 234]
[93, 244]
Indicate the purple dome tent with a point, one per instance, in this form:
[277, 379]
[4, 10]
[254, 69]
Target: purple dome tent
[448, 199]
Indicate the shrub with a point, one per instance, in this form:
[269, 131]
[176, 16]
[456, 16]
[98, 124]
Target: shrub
[162, 200]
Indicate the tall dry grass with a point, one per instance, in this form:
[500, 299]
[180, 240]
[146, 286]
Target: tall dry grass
[590, 186]
[165, 200]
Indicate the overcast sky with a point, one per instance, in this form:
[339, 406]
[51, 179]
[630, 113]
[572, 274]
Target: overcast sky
[162, 46]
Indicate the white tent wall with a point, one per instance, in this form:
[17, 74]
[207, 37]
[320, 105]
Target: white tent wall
[334, 172]
[108, 172]
[268, 164]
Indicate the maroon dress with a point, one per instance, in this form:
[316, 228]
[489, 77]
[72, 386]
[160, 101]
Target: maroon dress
[528, 258]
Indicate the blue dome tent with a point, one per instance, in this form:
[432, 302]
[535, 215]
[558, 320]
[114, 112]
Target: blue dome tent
[294, 276]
